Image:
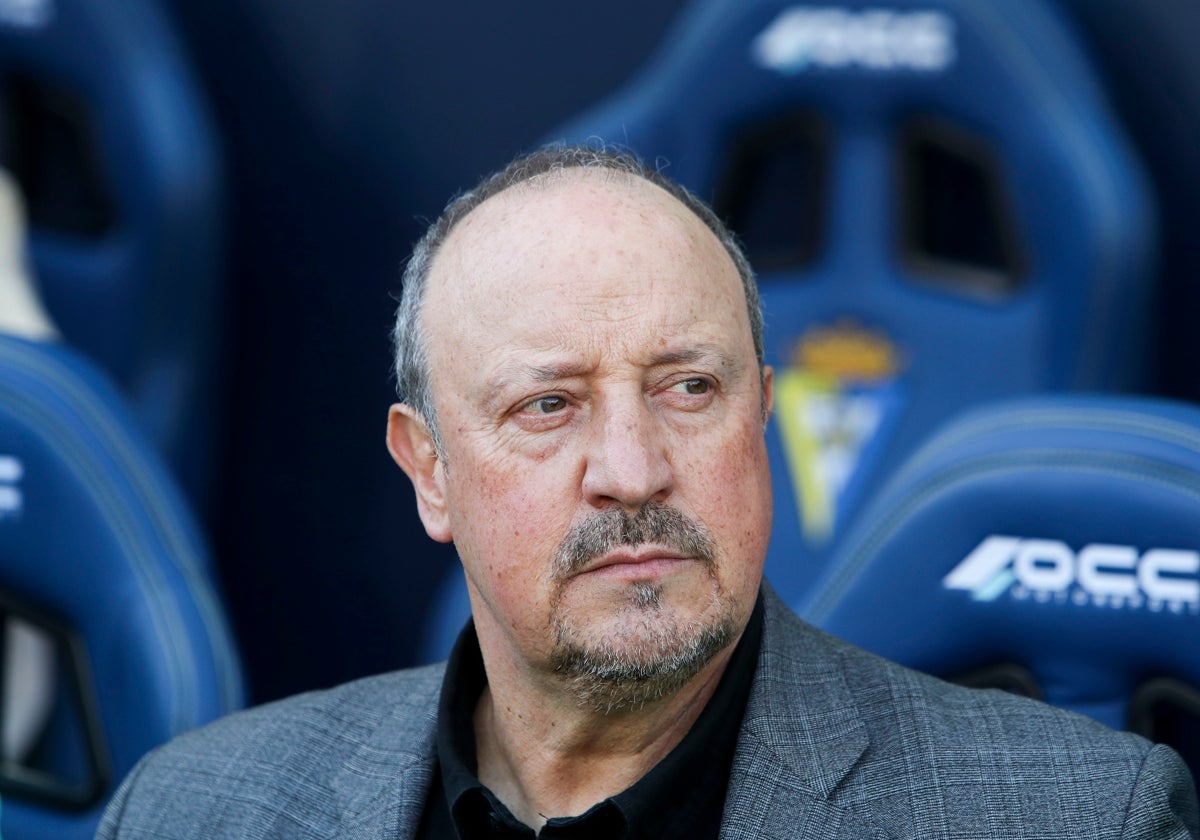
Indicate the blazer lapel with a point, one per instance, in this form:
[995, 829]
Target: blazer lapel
[381, 790]
[801, 737]
[395, 810]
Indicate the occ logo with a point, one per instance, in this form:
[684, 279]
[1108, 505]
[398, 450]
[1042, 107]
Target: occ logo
[1097, 575]
[879, 40]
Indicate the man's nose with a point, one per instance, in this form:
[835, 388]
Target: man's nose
[627, 458]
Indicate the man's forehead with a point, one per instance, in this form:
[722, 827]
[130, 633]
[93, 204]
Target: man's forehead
[542, 202]
[578, 247]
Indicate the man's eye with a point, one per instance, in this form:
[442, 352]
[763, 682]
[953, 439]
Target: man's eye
[546, 405]
[694, 386]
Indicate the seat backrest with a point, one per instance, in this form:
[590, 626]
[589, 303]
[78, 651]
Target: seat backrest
[1049, 545]
[112, 633]
[105, 131]
[940, 206]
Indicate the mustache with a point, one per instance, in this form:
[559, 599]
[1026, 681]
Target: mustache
[613, 527]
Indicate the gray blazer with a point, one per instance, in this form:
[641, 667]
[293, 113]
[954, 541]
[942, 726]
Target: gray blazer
[836, 743]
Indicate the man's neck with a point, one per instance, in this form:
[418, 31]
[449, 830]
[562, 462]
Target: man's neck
[545, 756]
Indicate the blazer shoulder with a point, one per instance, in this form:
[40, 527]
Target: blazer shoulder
[302, 761]
[331, 720]
[930, 711]
[1038, 770]
[928, 758]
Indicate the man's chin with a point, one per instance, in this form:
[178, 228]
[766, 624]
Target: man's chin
[639, 655]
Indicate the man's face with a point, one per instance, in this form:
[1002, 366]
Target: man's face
[605, 478]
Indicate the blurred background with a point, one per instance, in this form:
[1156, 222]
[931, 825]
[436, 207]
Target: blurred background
[345, 126]
[333, 132]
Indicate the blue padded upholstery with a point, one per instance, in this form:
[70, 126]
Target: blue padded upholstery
[839, 143]
[106, 132]
[95, 538]
[890, 317]
[1057, 534]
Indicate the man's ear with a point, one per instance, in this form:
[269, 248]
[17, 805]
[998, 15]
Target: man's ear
[412, 448]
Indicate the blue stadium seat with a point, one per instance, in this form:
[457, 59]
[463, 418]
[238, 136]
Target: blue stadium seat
[100, 564]
[105, 130]
[941, 209]
[1046, 545]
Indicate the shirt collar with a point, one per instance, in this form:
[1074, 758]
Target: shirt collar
[688, 784]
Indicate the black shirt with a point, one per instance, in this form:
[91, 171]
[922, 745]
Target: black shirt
[681, 797]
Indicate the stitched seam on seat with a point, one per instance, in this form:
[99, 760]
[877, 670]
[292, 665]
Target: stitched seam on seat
[181, 551]
[83, 466]
[1079, 418]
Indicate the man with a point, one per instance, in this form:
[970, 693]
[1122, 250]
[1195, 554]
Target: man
[579, 348]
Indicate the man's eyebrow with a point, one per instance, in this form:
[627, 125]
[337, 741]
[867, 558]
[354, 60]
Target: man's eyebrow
[711, 356]
[566, 370]
[525, 374]
[551, 373]
[498, 388]
[682, 357]
[532, 374]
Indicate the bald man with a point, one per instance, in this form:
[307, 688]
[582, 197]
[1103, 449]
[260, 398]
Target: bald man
[580, 362]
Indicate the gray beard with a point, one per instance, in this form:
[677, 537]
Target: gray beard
[614, 674]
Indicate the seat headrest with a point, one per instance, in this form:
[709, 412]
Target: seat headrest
[1060, 533]
[941, 208]
[108, 136]
[97, 545]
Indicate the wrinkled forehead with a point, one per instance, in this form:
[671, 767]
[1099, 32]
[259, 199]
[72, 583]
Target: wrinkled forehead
[550, 201]
[568, 212]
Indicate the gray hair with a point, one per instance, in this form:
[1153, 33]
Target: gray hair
[408, 334]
